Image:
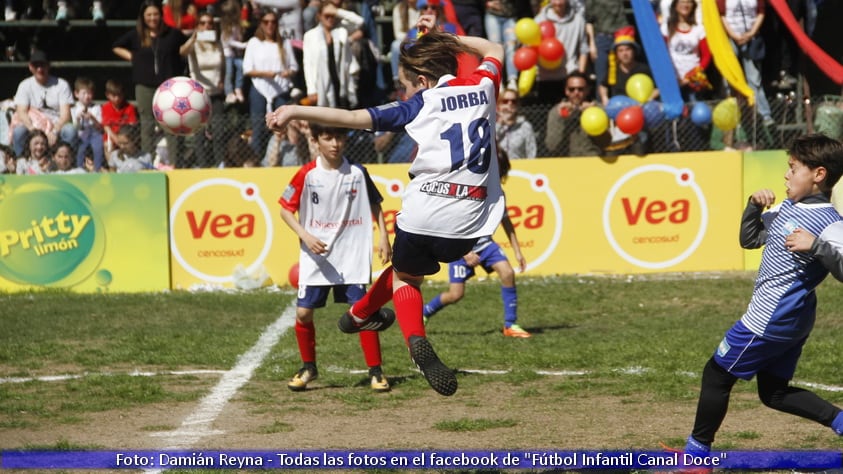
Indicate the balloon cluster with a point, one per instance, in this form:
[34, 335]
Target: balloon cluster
[724, 116]
[540, 47]
[630, 112]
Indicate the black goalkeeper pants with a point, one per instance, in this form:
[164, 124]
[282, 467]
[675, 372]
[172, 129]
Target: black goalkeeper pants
[775, 392]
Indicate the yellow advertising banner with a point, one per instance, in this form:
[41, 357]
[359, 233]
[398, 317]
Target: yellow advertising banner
[659, 213]
[86, 232]
[226, 230]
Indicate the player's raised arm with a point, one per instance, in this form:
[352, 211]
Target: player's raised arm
[358, 119]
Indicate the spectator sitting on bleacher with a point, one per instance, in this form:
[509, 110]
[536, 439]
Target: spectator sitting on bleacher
[514, 132]
[42, 102]
[36, 157]
[63, 160]
[87, 117]
[128, 157]
[117, 111]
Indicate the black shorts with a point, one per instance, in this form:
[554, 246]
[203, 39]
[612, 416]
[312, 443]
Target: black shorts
[417, 254]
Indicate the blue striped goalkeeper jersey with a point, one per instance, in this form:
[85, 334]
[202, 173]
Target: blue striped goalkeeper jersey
[783, 304]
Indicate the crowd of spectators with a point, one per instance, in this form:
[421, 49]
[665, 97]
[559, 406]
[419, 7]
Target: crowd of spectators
[259, 54]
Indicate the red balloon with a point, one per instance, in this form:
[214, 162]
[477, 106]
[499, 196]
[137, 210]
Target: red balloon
[525, 58]
[551, 49]
[293, 275]
[630, 120]
[547, 29]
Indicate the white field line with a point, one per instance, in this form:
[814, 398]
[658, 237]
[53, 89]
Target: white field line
[137, 373]
[562, 373]
[198, 424]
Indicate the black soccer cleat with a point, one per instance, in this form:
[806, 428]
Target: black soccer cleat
[438, 375]
[379, 321]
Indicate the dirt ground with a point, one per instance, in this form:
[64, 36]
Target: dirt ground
[543, 420]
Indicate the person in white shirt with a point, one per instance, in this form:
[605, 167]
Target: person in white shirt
[336, 203]
[87, 117]
[42, 102]
[329, 65]
[36, 156]
[271, 64]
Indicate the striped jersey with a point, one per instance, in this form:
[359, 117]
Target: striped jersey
[783, 303]
[334, 206]
[455, 189]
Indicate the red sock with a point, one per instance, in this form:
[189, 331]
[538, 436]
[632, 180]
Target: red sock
[306, 337]
[370, 342]
[408, 311]
[378, 295]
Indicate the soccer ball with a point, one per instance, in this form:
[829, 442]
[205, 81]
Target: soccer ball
[181, 106]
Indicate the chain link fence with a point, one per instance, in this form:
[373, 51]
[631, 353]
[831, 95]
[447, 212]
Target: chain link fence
[794, 116]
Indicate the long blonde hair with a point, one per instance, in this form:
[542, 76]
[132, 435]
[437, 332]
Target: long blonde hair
[278, 39]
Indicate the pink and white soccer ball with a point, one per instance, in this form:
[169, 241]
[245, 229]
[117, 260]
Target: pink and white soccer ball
[181, 106]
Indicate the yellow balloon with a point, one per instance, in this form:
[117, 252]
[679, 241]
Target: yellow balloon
[526, 79]
[726, 115]
[639, 87]
[550, 65]
[528, 32]
[594, 121]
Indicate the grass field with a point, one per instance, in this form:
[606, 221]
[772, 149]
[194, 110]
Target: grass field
[614, 363]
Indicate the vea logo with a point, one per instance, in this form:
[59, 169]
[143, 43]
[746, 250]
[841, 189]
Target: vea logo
[655, 216]
[218, 225]
[49, 234]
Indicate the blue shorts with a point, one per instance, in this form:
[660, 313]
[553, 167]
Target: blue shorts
[316, 296]
[459, 271]
[743, 354]
[417, 254]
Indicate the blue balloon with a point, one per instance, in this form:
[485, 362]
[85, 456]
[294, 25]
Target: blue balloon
[618, 103]
[701, 114]
[653, 113]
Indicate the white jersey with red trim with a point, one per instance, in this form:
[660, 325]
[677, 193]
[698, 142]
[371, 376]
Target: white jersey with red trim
[455, 190]
[334, 206]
